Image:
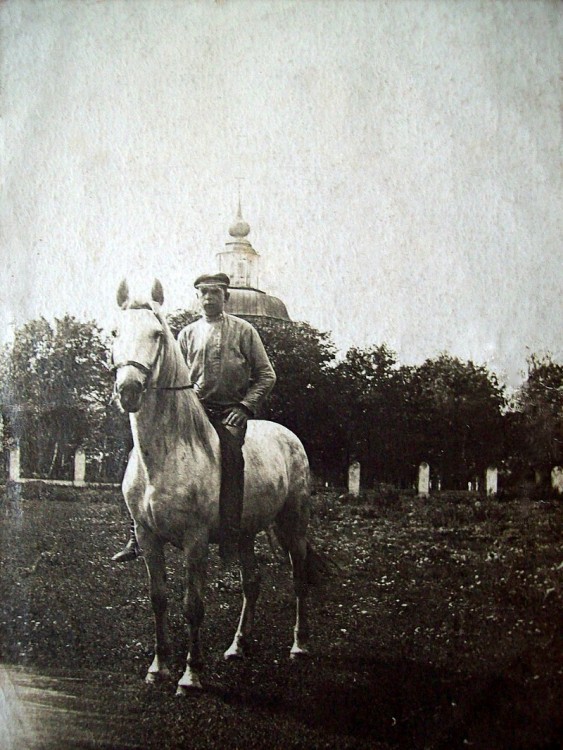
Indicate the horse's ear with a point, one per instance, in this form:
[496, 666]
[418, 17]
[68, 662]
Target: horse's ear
[122, 293]
[157, 292]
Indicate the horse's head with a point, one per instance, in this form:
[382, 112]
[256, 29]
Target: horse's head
[137, 345]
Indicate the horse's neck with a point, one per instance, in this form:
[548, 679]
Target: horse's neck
[173, 369]
[169, 418]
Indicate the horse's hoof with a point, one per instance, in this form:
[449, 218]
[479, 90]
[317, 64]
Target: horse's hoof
[233, 654]
[238, 649]
[182, 691]
[189, 682]
[297, 653]
[155, 678]
[233, 657]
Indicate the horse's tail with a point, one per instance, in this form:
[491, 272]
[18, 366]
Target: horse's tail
[319, 567]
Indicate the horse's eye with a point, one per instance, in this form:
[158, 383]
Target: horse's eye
[114, 333]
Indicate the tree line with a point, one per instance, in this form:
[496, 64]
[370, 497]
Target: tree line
[56, 396]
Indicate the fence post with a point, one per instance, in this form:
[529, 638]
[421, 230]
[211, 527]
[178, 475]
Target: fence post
[79, 467]
[354, 478]
[424, 479]
[557, 479]
[14, 462]
[491, 480]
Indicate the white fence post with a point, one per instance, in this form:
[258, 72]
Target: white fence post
[354, 478]
[14, 463]
[424, 479]
[491, 480]
[80, 468]
[557, 479]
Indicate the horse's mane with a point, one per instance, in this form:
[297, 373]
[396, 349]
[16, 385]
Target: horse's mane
[184, 413]
[173, 368]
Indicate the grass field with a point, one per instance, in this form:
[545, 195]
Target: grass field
[442, 628]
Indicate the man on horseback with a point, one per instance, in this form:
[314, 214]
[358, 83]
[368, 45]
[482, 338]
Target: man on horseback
[232, 376]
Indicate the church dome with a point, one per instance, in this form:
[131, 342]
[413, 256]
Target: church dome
[240, 228]
[252, 303]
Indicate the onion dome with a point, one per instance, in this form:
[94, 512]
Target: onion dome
[239, 229]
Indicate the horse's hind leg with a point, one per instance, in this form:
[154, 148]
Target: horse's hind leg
[250, 577]
[298, 555]
[156, 569]
[296, 545]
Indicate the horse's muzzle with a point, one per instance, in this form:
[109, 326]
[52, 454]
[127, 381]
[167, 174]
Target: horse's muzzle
[130, 395]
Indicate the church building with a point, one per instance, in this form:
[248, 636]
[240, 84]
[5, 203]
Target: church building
[240, 262]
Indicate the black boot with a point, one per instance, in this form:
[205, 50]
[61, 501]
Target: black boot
[231, 494]
[131, 550]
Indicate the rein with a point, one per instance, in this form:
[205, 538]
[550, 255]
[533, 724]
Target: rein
[172, 387]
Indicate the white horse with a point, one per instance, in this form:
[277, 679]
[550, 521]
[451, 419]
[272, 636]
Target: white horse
[171, 485]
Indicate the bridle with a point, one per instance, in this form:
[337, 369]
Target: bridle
[147, 371]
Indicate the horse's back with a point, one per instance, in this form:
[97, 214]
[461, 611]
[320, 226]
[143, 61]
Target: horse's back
[275, 433]
[270, 443]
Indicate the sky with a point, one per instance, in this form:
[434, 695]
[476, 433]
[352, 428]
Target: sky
[399, 163]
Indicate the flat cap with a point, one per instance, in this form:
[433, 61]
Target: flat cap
[212, 279]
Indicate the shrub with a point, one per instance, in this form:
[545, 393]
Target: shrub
[385, 493]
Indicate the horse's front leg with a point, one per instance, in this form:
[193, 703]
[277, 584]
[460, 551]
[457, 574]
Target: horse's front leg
[153, 550]
[250, 577]
[197, 554]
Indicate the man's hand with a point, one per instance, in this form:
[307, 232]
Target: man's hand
[237, 417]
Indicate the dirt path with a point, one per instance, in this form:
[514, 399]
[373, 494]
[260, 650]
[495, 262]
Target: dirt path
[46, 712]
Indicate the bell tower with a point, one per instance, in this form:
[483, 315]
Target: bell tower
[240, 260]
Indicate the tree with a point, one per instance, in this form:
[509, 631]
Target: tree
[539, 415]
[457, 418]
[178, 319]
[56, 390]
[373, 413]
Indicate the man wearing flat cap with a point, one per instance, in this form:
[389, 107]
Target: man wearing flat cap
[232, 376]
